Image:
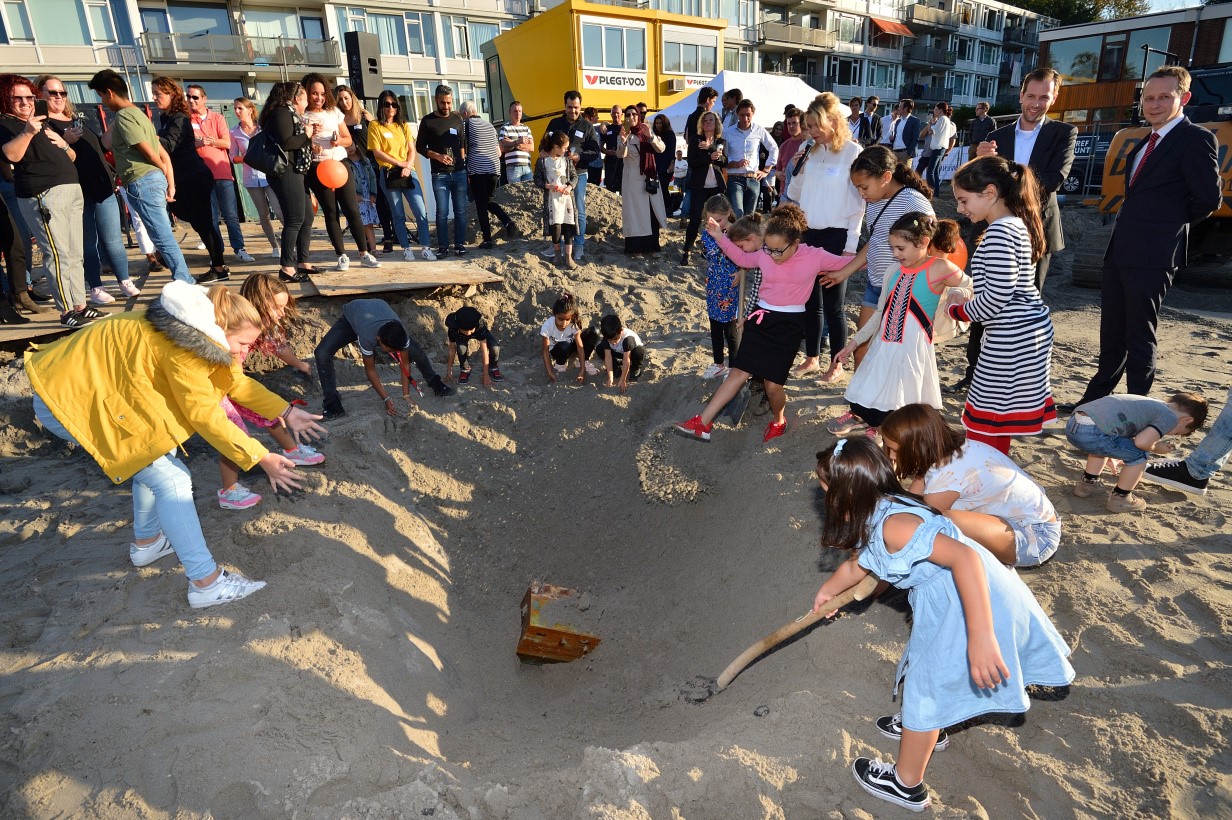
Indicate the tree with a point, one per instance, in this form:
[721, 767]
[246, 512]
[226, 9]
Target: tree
[1071, 12]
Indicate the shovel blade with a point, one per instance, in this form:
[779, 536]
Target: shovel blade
[734, 410]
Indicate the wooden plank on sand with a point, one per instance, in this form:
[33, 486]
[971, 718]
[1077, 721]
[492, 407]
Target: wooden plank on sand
[394, 276]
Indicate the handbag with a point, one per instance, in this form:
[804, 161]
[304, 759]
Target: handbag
[395, 181]
[652, 186]
[264, 154]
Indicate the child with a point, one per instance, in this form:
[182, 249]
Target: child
[1127, 428]
[902, 362]
[555, 174]
[1009, 394]
[462, 327]
[722, 287]
[890, 190]
[563, 338]
[622, 350]
[773, 336]
[233, 495]
[748, 233]
[269, 295]
[364, 174]
[980, 489]
[978, 636]
[373, 325]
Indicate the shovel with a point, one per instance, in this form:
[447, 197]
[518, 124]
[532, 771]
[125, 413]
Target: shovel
[701, 688]
[733, 411]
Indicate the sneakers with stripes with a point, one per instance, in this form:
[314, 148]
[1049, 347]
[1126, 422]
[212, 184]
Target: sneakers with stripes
[144, 556]
[304, 456]
[228, 587]
[237, 497]
[892, 726]
[880, 780]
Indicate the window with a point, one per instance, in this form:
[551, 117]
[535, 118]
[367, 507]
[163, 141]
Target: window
[992, 19]
[57, 22]
[423, 100]
[989, 54]
[882, 75]
[1076, 60]
[845, 71]
[456, 42]
[482, 33]
[985, 87]
[848, 28]
[962, 85]
[101, 28]
[689, 58]
[17, 22]
[1112, 59]
[964, 49]
[731, 59]
[390, 32]
[420, 34]
[613, 47]
[191, 19]
[1156, 38]
[312, 28]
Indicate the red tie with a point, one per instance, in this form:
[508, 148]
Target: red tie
[1146, 152]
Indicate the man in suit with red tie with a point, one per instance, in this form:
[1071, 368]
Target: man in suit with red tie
[1173, 183]
[1047, 147]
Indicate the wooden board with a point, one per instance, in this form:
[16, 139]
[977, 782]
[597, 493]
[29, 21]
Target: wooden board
[399, 275]
[543, 642]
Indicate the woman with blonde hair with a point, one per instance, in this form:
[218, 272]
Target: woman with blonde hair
[819, 180]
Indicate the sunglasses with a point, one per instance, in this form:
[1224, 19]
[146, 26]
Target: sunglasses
[57, 94]
[388, 104]
[194, 96]
[775, 252]
[18, 98]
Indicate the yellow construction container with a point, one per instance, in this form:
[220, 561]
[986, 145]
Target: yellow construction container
[612, 55]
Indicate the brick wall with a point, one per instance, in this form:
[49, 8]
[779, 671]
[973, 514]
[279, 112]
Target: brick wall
[1210, 40]
[1181, 41]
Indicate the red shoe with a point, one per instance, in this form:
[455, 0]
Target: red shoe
[774, 430]
[464, 376]
[693, 428]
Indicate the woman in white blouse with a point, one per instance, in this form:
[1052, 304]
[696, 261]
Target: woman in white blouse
[819, 179]
[941, 134]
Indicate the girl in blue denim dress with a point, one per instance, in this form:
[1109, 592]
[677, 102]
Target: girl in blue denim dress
[978, 636]
[722, 287]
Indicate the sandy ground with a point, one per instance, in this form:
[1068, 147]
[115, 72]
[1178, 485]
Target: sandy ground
[376, 676]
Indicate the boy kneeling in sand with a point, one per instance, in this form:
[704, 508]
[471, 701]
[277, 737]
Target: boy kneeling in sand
[1128, 427]
[373, 325]
[622, 350]
[463, 326]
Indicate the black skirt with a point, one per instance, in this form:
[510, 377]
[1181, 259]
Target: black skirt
[767, 348]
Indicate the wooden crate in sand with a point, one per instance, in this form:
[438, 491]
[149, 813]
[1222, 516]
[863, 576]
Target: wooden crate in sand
[544, 638]
[391, 276]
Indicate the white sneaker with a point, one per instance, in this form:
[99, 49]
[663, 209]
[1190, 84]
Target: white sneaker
[344, 262]
[243, 255]
[144, 556]
[713, 370]
[238, 497]
[100, 296]
[129, 288]
[368, 260]
[591, 369]
[304, 456]
[200, 246]
[559, 368]
[427, 254]
[276, 253]
[229, 586]
[408, 255]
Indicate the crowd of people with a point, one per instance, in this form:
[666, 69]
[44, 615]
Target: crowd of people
[914, 498]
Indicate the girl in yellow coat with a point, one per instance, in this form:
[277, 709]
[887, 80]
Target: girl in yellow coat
[130, 389]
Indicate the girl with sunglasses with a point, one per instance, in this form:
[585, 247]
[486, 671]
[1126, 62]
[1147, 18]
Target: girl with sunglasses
[393, 147]
[773, 331]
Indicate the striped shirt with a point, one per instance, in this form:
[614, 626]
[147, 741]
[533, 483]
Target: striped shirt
[1010, 392]
[879, 217]
[482, 150]
[516, 159]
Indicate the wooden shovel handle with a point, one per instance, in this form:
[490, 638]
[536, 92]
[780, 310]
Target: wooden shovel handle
[856, 593]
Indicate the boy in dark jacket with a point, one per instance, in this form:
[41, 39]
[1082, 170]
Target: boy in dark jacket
[463, 327]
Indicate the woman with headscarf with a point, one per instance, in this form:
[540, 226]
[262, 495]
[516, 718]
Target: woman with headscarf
[642, 211]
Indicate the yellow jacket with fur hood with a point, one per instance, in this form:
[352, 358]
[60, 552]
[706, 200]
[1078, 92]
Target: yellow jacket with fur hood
[133, 387]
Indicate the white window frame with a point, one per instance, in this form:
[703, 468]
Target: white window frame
[8, 29]
[856, 24]
[427, 31]
[606, 24]
[109, 19]
[683, 38]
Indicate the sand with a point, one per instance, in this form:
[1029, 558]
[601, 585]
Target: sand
[376, 677]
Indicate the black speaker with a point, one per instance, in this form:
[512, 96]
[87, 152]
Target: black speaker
[364, 63]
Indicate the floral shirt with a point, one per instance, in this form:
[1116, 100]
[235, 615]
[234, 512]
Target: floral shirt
[722, 284]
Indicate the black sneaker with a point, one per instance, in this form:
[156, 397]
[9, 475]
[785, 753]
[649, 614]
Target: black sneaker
[90, 313]
[495, 374]
[459, 250]
[486, 245]
[212, 275]
[332, 413]
[442, 253]
[440, 388]
[41, 297]
[960, 386]
[73, 320]
[880, 780]
[512, 231]
[1175, 475]
[892, 726]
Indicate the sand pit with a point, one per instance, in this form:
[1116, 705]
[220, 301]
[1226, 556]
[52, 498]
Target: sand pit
[376, 676]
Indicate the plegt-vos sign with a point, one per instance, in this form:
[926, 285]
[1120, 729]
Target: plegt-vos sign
[617, 82]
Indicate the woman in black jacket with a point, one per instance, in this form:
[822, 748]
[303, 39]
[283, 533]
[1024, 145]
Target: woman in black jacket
[193, 181]
[707, 160]
[282, 119]
[665, 161]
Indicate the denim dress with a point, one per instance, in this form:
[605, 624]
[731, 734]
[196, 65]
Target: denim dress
[938, 690]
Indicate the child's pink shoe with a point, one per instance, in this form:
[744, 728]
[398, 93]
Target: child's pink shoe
[237, 497]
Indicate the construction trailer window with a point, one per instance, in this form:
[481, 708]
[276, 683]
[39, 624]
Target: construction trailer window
[686, 51]
[618, 47]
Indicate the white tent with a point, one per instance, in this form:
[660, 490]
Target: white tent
[770, 93]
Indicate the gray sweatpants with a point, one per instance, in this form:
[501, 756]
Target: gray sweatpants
[54, 217]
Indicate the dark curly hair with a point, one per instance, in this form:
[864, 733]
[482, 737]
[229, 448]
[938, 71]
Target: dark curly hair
[178, 105]
[281, 94]
[313, 77]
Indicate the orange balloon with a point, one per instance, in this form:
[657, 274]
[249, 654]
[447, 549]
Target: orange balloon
[332, 173]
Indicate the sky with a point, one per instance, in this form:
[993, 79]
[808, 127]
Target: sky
[1171, 5]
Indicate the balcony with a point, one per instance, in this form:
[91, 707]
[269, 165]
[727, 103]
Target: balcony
[927, 17]
[926, 94]
[234, 49]
[1021, 37]
[871, 52]
[1007, 99]
[799, 36]
[917, 54]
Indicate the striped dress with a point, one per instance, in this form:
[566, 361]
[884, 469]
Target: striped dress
[1010, 394]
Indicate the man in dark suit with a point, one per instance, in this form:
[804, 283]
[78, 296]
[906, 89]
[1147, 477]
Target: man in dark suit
[871, 130]
[1173, 182]
[1046, 146]
[906, 132]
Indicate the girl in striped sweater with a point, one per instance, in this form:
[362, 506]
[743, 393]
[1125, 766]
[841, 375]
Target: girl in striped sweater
[1010, 393]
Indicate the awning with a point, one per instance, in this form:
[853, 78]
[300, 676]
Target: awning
[891, 27]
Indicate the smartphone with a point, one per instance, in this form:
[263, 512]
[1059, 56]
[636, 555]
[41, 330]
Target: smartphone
[40, 108]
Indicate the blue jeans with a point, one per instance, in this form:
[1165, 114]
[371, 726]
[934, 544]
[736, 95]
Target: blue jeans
[103, 240]
[414, 196]
[1209, 456]
[450, 187]
[10, 199]
[1093, 441]
[579, 200]
[222, 198]
[742, 192]
[162, 502]
[147, 195]
[521, 173]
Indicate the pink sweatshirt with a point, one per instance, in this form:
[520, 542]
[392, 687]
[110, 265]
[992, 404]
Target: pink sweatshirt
[790, 283]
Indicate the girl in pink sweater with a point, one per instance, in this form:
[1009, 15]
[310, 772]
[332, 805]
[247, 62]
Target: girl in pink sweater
[773, 331]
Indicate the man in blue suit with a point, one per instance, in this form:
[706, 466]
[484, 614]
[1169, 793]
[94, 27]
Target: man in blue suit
[1172, 182]
[906, 132]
